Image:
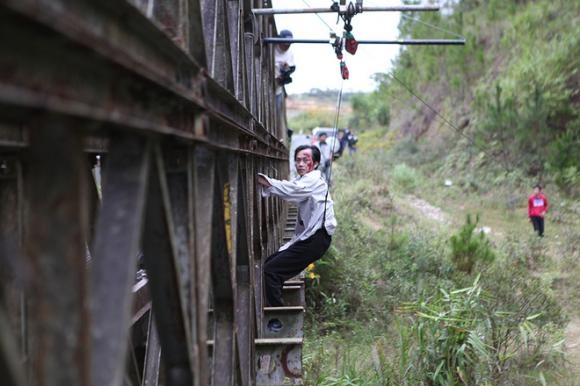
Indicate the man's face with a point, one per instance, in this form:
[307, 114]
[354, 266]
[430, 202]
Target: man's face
[537, 190]
[304, 162]
[284, 47]
[322, 138]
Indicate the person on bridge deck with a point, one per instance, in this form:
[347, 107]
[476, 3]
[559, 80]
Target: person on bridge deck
[284, 66]
[537, 208]
[315, 224]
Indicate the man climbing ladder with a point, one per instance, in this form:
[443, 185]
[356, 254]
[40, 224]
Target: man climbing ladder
[315, 225]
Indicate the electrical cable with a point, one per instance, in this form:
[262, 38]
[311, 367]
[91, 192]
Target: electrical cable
[335, 136]
[320, 17]
[444, 119]
[432, 26]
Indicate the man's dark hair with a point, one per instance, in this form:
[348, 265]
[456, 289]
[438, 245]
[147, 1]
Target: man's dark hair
[538, 186]
[315, 152]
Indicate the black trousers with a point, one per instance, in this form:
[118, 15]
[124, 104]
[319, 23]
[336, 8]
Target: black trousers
[288, 263]
[538, 223]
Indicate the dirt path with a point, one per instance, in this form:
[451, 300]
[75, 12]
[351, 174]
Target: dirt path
[428, 210]
[572, 336]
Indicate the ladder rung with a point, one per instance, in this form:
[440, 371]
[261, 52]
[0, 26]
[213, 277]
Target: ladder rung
[294, 282]
[284, 309]
[278, 341]
[292, 287]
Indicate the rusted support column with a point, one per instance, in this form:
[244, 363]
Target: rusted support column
[196, 32]
[223, 368]
[203, 184]
[217, 42]
[116, 246]
[250, 78]
[55, 251]
[13, 321]
[10, 366]
[245, 320]
[236, 34]
[13, 305]
[179, 167]
[161, 262]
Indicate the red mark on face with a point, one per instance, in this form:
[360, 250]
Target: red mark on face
[304, 162]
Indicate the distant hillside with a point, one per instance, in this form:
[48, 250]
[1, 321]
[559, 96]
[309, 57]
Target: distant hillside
[317, 108]
[511, 96]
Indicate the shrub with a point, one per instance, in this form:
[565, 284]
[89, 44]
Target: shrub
[483, 334]
[405, 177]
[468, 248]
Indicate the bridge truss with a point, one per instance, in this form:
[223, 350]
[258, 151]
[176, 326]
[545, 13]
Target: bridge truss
[149, 272]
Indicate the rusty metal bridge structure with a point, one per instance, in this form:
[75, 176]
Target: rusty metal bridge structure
[132, 232]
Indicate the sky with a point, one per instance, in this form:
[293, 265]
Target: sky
[317, 65]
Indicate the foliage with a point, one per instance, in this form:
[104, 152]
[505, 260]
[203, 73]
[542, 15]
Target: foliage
[563, 159]
[469, 247]
[474, 336]
[510, 93]
[314, 118]
[369, 111]
[405, 177]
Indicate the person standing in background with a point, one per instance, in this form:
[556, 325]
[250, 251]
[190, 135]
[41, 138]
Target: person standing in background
[284, 67]
[537, 208]
[325, 156]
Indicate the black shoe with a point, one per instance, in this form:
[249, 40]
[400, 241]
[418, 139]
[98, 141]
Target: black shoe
[275, 325]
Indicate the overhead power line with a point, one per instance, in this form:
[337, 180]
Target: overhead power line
[432, 26]
[443, 118]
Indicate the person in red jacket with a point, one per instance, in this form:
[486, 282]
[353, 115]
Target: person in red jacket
[537, 208]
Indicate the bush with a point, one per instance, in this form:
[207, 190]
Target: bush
[405, 177]
[482, 334]
[469, 248]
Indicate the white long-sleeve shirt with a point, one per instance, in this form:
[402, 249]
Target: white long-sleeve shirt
[309, 192]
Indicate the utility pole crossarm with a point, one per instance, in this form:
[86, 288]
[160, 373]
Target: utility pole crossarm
[400, 8]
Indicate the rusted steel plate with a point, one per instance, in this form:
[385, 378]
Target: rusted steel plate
[278, 363]
[56, 247]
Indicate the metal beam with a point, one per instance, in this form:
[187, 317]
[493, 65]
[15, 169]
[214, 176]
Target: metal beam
[408, 42]
[223, 279]
[116, 247]
[56, 250]
[203, 183]
[161, 264]
[400, 8]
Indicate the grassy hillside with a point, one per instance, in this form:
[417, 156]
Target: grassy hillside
[511, 96]
[434, 283]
